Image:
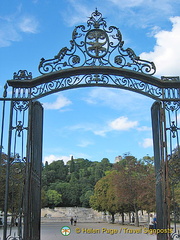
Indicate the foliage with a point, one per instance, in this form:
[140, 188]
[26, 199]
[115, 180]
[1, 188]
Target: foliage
[74, 181]
[121, 187]
[174, 177]
[16, 183]
[105, 197]
[53, 198]
[129, 187]
[138, 178]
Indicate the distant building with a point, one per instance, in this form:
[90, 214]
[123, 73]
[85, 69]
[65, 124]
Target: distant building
[118, 159]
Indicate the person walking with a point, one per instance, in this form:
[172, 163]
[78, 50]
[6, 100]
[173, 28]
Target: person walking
[151, 222]
[71, 220]
[75, 220]
[155, 222]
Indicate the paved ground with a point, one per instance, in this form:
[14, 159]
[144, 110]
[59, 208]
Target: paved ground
[95, 231]
[91, 231]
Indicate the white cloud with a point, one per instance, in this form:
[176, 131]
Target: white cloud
[166, 54]
[101, 133]
[148, 12]
[119, 124]
[8, 34]
[95, 128]
[60, 102]
[28, 25]
[122, 124]
[84, 143]
[116, 99]
[147, 142]
[154, 31]
[103, 96]
[78, 12]
[51, 158]
[84, 126]
[12, 26]
[150, 4]
[144, 128]
[129, 3]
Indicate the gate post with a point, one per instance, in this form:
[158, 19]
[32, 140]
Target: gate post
[32, 201]
[159, 143]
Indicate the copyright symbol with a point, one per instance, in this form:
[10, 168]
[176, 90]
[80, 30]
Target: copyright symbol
[78, 230]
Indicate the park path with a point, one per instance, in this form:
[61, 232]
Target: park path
[94, 231]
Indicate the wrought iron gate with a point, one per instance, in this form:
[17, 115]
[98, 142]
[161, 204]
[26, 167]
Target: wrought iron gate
[23, 171]
[165, 138]
[96, 57]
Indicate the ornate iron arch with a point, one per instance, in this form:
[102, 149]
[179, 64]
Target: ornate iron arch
[96, 45]
[96, 57]
[166, 89]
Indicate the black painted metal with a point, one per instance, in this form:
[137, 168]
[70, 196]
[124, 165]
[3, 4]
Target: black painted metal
[15, 172]
[96, 57]
[166, 147]
[97, 76]
[96, 45]
[157, 126]
[32, 200]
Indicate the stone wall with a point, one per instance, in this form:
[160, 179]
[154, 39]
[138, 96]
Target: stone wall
[65, 213]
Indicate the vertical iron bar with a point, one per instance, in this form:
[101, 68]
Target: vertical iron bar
[2, 134]
[26, 200]
[32, 200]
[2, 125]
[7, 173]
[165, 171]
[36, 158]
[174, 206]
[156, 114]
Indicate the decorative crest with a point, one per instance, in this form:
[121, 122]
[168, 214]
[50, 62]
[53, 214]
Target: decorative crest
[22, 75]
[96, 20]
[96, 45]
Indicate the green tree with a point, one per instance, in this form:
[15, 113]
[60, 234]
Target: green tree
[63, 188]
[44, 202]
[85, 198]
[135, 184]
[105, 164]
[16, 183]
[105, 197]
[53, 198]
[71, 165]
[174, 182]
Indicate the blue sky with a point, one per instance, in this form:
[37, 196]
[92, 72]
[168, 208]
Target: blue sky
[92, 123]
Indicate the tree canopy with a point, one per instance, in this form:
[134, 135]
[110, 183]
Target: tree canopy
[129, 186]
[74, 181]
[126, 186]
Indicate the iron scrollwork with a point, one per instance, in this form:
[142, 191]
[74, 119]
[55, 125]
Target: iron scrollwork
[96, 45]
[19, 128]
[172, 109]
[22, 75]
[172, 106]
[99, 80]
